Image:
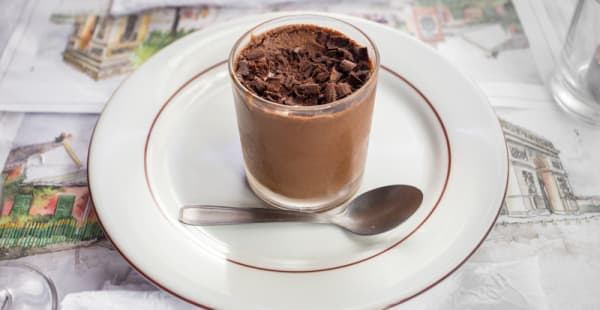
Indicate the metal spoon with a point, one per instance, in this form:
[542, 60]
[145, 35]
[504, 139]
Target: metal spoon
[371, 213]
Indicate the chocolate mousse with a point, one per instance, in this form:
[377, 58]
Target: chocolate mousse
[303, 65]
[292, 147]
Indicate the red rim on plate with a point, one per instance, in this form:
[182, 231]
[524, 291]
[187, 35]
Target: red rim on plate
[397, 75]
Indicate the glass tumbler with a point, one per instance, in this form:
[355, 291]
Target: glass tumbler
[23, 286]
[576, 82]
[308, 158]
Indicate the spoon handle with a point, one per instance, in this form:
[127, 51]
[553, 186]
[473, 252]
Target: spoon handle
[218, 215]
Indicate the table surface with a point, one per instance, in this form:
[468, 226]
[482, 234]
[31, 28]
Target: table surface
[542, 253]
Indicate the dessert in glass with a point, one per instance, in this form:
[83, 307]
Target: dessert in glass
[304, 91]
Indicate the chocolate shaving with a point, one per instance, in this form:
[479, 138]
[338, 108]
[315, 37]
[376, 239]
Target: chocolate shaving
[307, 70]
[329, 91]
[273, 95]
[343, 90]
[308, 89]
[322, 76]
[318, 69]
[260, 68]
[299, 51]
[338, 42]
[243, 68]
[258, 85]
[281, 60]
[322, 38]
[346, 54]
[274, 84]
[363, 65]
[255, 53]
[290, 82]
[354, 80]
[335, 75]
[362, 54]
[347, 66]
[363, 75]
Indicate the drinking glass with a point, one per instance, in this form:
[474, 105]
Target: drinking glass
[22, 286]
[308, 158]
[576, 82]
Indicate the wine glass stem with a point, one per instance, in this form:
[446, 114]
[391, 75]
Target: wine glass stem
[5, 300]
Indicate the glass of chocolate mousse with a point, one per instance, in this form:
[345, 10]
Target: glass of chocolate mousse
[304, 89]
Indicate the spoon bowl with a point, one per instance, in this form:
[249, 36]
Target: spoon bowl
[380, 209]
[373, 212]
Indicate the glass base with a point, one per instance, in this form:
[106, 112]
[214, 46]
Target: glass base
[22, 286]
[298, 204]
[574, 101]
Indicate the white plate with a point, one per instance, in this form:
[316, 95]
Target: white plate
[168, 137]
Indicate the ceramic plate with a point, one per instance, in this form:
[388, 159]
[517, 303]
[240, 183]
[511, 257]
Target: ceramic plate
[168, 137]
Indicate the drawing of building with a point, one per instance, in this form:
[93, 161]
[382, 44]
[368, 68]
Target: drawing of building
[538, 183]
[45, 179]
[492, 27]
[427, 23]
[102, 46]
[45, 203]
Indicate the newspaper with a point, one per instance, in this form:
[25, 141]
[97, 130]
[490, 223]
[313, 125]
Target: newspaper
[52, 63]
[68, 58]
[45, 200]
[546, 24]
[548, 227]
